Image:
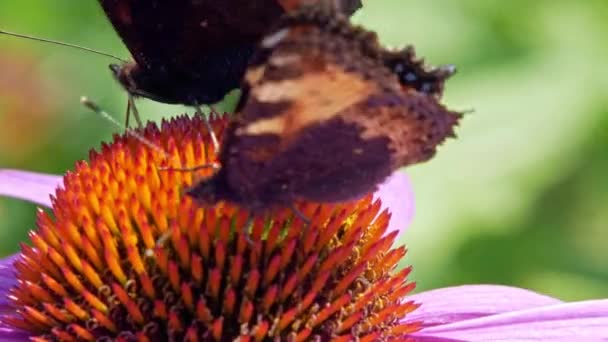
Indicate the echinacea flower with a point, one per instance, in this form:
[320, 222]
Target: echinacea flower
[95, 269]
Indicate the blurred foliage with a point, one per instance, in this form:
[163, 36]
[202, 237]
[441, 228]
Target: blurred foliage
[518, 199]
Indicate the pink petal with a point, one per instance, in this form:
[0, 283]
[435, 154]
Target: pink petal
[459, 303]
[7, 281]
[396, 194]
[579, 321]
[8, 334]
[29, 186]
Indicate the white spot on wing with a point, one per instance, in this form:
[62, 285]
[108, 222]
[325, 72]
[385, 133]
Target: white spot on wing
[272, 40]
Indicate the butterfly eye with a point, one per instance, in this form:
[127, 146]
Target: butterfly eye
[115, 68]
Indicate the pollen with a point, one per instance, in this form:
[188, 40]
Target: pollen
[95, 270]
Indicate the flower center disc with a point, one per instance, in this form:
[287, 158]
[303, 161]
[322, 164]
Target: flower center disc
[87, 275]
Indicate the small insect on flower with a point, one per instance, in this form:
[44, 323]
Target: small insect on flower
[326, 115]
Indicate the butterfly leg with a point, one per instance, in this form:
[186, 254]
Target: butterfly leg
[214, 111]
[299, 214]
[214, 166]
[216, 144]
[131, 105]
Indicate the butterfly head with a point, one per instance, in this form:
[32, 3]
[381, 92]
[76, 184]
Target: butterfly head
[204, 192]
[141, 82]
[124, 73]
[210, 191]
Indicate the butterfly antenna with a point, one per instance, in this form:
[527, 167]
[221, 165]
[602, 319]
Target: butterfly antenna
[95, 107]
[56, 42]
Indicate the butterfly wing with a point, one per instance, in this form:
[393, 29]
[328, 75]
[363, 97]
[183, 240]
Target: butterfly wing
[177, 35]
[325, 119]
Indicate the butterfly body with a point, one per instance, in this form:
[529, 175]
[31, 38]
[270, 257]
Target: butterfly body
[323, 117]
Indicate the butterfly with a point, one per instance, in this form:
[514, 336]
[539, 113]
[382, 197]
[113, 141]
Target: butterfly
[192, 52]
[326, 115]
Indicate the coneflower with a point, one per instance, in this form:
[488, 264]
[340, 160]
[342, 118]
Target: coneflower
[94, 269]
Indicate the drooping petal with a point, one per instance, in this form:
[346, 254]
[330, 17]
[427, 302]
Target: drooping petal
[459, 303]
[7, 280]
[30, 186]
[578, 321]
[397, 195]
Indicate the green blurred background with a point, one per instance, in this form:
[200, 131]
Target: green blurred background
[519, 199]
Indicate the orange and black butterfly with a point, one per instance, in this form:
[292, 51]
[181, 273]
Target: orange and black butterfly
[326, 114]
[192, 52]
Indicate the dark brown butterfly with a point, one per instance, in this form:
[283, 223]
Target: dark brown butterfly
[192, 52]
[326, 115]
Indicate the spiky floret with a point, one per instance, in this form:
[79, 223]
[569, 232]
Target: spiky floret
[87, 276]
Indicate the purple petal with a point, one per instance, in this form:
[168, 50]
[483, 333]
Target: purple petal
[7, 280]
[29, 186]
[397, 195]
[579, 321]
[453, 304]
